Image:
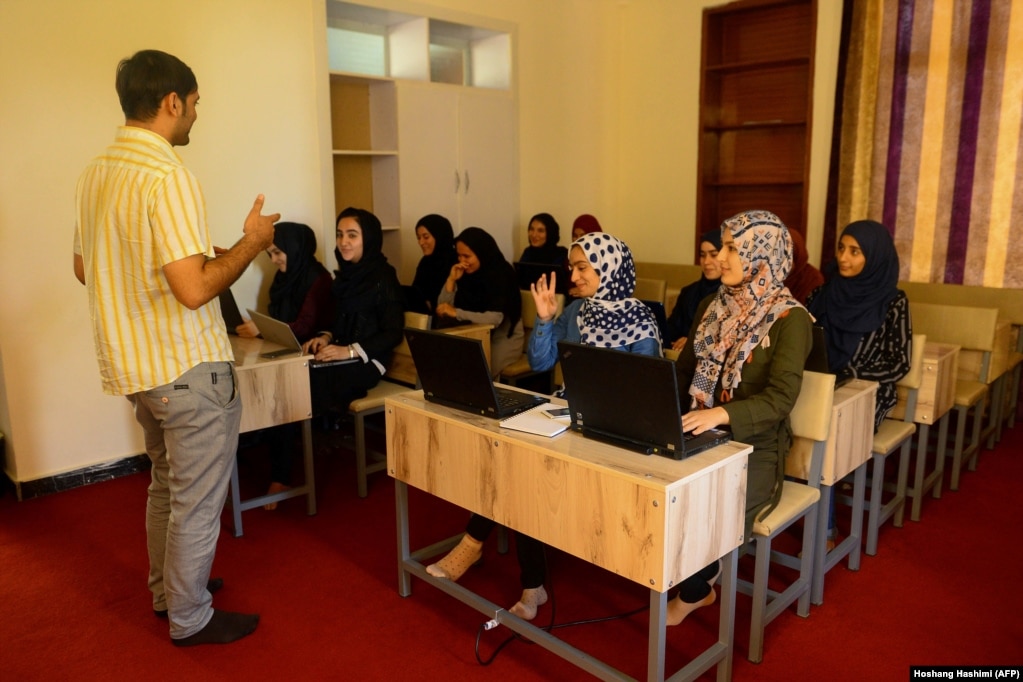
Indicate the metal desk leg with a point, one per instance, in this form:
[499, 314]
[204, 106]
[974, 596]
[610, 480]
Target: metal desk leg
[401, 518]
[310, 476]
[657, 636]
[726, 625]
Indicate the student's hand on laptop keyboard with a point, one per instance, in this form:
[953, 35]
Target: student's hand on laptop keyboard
[313, 345]
[699, 421]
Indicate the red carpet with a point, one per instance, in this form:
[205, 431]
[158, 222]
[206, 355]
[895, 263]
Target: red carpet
[74, 603]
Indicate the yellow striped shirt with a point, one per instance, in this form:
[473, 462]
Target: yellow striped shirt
[138, 208]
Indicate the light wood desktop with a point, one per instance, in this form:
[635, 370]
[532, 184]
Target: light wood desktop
[650, 519]
[273, 391]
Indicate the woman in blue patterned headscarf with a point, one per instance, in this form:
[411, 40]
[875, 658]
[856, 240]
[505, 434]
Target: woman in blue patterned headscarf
[605, 314]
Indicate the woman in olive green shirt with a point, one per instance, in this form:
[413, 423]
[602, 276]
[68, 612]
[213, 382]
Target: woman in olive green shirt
[743, 364]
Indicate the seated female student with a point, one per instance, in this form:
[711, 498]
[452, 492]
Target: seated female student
[437, 241]
[584, 224]
[606, 307]
[864, 314]
[369, 317]
[300, 296]
[865, 317]
[481, 289]
[804, 277]
[604, 274]
[544, 234]
[684, 312]
[744, 364]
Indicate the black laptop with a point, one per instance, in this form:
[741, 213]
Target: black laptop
[530, 273]
[629, 400]
[454, 372]
[229, 310]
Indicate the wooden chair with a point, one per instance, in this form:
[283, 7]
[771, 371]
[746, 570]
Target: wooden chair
[393, 382]
[845, 451]
[811, 419]
[649, 289]
[520, 369]
[894, 435]
[972, 329]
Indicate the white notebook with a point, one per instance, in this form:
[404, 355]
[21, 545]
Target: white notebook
[537, 422]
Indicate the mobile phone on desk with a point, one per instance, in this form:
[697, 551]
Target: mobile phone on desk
[557, 412]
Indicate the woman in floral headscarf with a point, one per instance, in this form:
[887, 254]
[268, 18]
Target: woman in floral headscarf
[745, 363]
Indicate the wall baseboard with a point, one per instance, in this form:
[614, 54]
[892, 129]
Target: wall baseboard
[26, 490]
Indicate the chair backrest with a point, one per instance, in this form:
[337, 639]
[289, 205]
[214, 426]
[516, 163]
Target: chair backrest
[401, 368]
[529, 308]
[670, 301]
[417, 320]
[915, 375]
[649, 289]
[973, 329]
[964, 326]
[811, 424]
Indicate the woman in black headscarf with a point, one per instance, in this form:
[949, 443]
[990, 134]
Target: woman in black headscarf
[369, 315]
[437, 240]
[864, 315]
[544, 234]
[482, 289]
[680, 322]
[300, 291]
[300, 296]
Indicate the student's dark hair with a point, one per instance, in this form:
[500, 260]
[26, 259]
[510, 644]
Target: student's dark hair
[553, 229]
[145, 78]
[372, 230]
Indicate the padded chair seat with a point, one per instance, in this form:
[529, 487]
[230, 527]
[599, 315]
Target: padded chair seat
[517, 368]
[795, 498]
[375, 396]
[891, 434]
[969, 392]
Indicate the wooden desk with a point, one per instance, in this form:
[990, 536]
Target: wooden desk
[273, 392]
[650, 519]
[846, 451]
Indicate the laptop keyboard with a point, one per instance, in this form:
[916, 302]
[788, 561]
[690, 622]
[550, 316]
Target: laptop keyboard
[514, 400]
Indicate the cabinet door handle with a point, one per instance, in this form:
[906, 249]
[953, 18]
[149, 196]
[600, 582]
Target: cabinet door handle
[458, 181]
[466, 182]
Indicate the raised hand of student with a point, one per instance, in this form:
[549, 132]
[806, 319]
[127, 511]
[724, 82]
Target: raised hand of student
[544, 298]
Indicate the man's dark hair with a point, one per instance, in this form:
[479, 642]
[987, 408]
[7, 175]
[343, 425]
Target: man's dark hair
[145, 78]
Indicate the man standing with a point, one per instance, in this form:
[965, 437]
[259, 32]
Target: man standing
[143, 250]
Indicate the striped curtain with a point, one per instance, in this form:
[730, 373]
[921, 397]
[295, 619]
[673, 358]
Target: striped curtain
[928, 136]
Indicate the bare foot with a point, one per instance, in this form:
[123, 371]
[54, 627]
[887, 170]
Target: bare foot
[275, 487]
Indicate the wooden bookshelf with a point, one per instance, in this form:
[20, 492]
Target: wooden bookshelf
[756, 99]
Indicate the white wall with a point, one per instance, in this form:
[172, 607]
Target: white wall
[256, 132]
[607, 115]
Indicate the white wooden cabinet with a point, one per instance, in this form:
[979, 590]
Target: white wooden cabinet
[457, 158]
